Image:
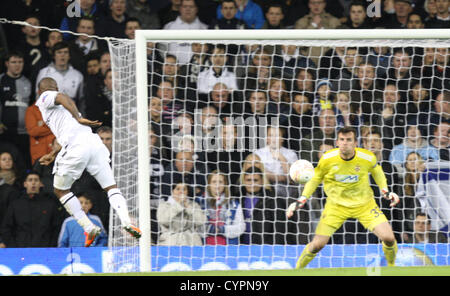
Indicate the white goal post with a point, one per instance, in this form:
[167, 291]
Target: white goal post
[329, 38]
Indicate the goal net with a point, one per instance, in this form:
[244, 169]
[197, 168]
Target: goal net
[227, 112]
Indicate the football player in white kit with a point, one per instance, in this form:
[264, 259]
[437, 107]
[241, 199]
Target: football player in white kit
[79, 149]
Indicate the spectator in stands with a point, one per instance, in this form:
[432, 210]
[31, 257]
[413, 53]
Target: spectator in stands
[53, 37]
[105, 134]
[304, 80]
[31, 46]
[398, 19]
[357, 17]
[415, 21]
[180, 219]
[442, 18]
[198, 62]
[441, 111]
[277, 160]
[170, 104]
[226, 102]
[170, 12]
[183, 168]
[418, 107]
[288, 58]
[113, 24]
[217, 72]
[9, 171]
[256, 114]
[298, 120]
[187, 20]
[326, 130]
[157, 163]
[84, 45]
[274, 17]
[317, 18]
[435, 73]
[32, 220]
[260, 71]
[86, 8]
[293, 10]
[278, 97]
[401, 70]
[429, 6]
[15, 97]
[392, 117]
[380, 57]
[105, 63]
[225, 216]
[72, 234]
[265, 221]
[347, 113]
[413, 167]
[99, 104]
[413, 142]
[441, 140]
[229, 154]
[41, 137]
[248, 11]
[324, 97]
[348, 72]
[422, 232]
[69, 80]
[92, 64]
[366, 93]
[143, 11]
[131, 25]
[229, 20]
[331, 63]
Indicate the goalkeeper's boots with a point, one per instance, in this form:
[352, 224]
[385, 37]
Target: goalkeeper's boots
[133, 230]
[91, 236]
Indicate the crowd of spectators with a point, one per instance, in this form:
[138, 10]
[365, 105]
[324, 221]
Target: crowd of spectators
[258, 108]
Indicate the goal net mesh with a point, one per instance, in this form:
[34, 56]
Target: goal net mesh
[228, 117]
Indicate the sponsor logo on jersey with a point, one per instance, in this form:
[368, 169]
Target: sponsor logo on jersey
[346, 178]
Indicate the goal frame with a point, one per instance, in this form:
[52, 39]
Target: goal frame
[143, 36]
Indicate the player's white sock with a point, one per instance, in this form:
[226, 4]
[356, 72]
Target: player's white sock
[119, 204]
[73, 206]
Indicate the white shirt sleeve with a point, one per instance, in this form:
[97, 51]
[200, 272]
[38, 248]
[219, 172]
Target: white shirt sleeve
[47, 99]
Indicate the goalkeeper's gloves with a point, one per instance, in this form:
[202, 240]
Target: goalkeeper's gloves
[296, 205]
[389, 195]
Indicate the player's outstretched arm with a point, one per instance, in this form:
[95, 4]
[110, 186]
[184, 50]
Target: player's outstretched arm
[380, 178]
[50, 157]
[66, 102]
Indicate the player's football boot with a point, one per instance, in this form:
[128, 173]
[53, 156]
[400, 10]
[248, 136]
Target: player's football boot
[133, 230]
[91, 236]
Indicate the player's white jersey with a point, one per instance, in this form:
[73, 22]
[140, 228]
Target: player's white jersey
[59, 120]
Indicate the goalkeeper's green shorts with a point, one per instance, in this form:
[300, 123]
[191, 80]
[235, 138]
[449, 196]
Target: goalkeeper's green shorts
[334, 215]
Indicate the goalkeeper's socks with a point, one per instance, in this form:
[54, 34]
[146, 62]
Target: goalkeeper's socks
[306, 257]
[73, 207]
[390, 253]
[119, 204]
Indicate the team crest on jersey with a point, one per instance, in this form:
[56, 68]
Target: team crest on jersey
[346, 178]
[357, 168]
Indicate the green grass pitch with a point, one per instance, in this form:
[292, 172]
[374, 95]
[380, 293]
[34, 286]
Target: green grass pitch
[382, 271]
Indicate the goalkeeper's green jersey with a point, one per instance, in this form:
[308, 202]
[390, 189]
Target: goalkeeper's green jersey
[346, 182]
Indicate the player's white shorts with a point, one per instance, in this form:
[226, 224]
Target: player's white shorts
[88, 152]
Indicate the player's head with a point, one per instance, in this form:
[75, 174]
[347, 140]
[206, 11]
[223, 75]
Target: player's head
[47, 83]
[346, 141]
